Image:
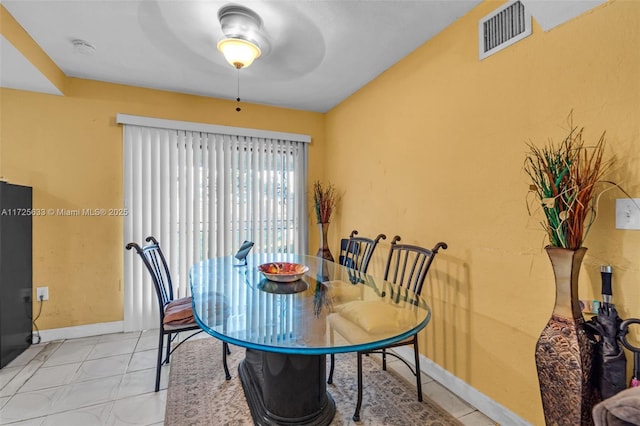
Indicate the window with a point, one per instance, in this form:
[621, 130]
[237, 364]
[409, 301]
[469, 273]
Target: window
[201, 194]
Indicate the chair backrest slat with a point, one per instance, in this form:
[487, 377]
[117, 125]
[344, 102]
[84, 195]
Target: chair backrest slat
[156, 264]
[407, 265]
[346, 252]
[357, 252]
[160, 271]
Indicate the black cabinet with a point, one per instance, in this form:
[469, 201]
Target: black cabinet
[15, 270]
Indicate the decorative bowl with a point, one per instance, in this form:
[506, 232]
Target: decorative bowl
[283, 272]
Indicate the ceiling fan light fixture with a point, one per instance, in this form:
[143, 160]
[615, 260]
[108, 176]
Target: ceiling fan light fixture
[238, 52]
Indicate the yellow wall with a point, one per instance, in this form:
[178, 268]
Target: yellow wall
[433, 150]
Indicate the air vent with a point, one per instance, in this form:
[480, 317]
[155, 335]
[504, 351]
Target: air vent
[503, 27]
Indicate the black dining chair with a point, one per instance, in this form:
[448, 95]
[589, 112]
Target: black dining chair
[355, 253]
[344, 244]
[176, 315]
[358, 251]
[407, 267]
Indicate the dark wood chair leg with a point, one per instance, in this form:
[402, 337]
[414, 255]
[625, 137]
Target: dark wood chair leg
[356, 415]
[333, 360]
[418, 374]
[225, 350]
[159, 363]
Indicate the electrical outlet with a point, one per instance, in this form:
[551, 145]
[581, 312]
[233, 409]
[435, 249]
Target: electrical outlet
[628, 213]
[42, 293]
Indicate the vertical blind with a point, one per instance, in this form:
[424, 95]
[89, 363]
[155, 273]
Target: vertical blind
[201, 195]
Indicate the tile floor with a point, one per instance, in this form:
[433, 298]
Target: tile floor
[109, 380]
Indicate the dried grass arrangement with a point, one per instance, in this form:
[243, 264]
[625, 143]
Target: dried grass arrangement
[564, 178]
[324, 200]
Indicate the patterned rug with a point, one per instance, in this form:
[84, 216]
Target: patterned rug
[198, 394]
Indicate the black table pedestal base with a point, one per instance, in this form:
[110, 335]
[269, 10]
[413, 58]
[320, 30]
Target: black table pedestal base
[283, 389]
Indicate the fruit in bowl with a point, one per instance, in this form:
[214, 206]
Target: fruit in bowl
[283, 271]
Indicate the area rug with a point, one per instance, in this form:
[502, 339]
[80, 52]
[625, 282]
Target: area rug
[199, 395]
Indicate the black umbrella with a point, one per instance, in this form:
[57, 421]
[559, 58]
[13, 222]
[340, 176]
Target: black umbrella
[624, 330]
[610, 363]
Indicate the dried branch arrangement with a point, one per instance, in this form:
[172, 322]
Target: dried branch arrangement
[564, 177]
[324, 200]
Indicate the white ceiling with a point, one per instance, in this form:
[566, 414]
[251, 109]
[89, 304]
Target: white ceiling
[17, 72]
[319, 53]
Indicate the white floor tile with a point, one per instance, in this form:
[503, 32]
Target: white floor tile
[447, 400]
[21, 378]
[426, 378]
[84, 341]
[476, 418]
[28, 405]
[69, 353]
[47, 377]
[89, 416]
[147, 341]
[7, 374]
[119, 336]
[4, 400]
[91, 340]
[25, 357]
[84, 394]
[164, 376]
[140, 410]
[46, 350]
[102, 367]
[137, 383]
[111, 348]
[30, 422]
[147, 333]
[143, 360]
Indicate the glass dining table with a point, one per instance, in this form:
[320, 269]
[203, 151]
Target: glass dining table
[287, 329]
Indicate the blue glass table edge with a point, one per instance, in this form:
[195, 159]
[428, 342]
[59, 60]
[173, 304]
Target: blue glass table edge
[309, 351]
[315, 351]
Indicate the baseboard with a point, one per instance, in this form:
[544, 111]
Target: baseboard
[463, 390]
[79, 331]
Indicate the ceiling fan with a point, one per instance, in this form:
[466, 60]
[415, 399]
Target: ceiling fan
[244, 38]
[291, 44]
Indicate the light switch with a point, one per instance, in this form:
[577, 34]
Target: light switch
[628, 213]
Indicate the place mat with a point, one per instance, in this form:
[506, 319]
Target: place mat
[199, 395]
